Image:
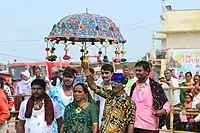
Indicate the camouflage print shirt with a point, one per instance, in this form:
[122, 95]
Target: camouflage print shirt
[119, 112]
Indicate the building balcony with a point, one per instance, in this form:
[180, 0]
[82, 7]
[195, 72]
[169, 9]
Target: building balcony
[161, 54]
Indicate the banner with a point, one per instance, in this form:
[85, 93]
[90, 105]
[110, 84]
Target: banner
[184, 60]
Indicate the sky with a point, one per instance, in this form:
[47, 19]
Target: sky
[24, 24]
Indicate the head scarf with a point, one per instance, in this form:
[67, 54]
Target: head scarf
[26, 73]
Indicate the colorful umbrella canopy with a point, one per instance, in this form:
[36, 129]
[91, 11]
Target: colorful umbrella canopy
[86, 27]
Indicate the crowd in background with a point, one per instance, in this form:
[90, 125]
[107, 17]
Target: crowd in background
[87, 94]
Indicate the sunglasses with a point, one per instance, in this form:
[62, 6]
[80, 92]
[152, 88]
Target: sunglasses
[114, 83]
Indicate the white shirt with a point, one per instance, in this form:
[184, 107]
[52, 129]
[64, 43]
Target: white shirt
[102, 103]
[37, 123]
[66, 99]
[195, 101]
[197, 118]
[127, 91]
[175, 94]
[24, 87]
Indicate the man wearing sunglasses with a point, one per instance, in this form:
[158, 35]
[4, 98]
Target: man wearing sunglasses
[119, 109]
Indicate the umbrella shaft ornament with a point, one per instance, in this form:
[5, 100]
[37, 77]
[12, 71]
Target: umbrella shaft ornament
[50, 51]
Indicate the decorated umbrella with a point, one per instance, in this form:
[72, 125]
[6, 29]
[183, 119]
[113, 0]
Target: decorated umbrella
[86, 30]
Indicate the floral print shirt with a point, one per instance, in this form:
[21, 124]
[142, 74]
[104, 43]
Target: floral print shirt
[119, 112]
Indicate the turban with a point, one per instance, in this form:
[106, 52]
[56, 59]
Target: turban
[119, 77]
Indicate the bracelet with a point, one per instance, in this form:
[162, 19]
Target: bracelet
[87, 72]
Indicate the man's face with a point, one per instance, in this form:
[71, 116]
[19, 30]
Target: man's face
[196, 79]
[141, 73]
[131, 75]
[37, 72]
[68, 80]
[188, 77]
[181, 74]
[188, 98]
[116, 87]
[106, 75]
[37, 91]
[79, 74]
[126, 71]
[24, 77]
[168, 75]
[197, 72]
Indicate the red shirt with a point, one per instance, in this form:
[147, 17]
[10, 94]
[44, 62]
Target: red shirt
[4, 111]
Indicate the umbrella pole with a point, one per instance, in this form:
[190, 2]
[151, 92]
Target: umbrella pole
[84, 54]
[171, 113]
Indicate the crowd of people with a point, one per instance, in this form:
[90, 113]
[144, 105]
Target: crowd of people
[185, 94]
[129, 102]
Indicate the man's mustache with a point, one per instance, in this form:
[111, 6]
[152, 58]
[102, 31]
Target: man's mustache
[36, 93]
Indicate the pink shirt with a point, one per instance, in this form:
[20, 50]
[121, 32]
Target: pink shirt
[143, 98]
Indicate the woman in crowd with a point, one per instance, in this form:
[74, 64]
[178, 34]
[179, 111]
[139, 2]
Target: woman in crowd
[4, 108]
[81, 116]
[181, 77]
[196, 90]
[196, 83]
[187, 105]
[187, 84]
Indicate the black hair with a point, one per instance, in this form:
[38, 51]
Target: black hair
[197, 76]
[125, 66]
[190, 73]
[143, 64]
[168, 70]
[39, 82]
[187, 94]
[2, 80]
[71, 72]
[36, 68]
[91, 70]
[85, 88]
[107, 67]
